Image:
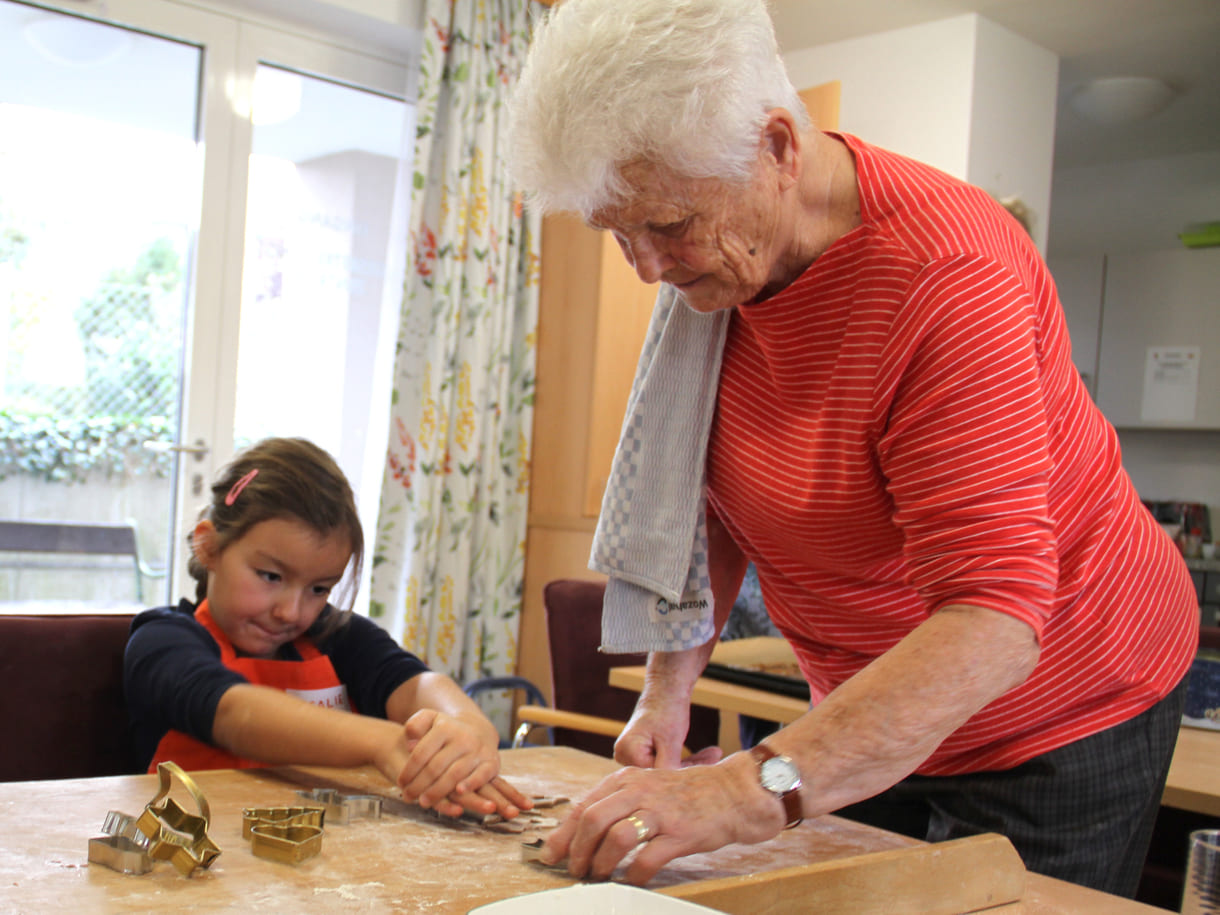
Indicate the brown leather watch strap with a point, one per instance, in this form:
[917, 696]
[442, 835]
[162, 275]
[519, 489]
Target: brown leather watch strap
[791, 798]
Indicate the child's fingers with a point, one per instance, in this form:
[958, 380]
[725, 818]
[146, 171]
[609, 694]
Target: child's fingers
[515, 797]
[419, 724]
[496, 796]
[434, 745]
[484, 801]
[451, 808]
[479, 776]
[446, 769]
[469, 783]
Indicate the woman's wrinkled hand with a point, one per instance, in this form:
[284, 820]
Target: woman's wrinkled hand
[652, 738]
[663, 814]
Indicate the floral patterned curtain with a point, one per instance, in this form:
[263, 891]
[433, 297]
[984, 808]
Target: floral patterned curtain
[450, 549]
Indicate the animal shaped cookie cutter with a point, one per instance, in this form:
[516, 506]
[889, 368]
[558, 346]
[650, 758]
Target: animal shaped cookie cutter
[343, 808]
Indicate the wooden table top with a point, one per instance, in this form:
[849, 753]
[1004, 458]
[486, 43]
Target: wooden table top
[1194, 774]
[406, 861]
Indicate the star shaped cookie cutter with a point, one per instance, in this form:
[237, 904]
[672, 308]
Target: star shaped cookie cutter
[172, 833]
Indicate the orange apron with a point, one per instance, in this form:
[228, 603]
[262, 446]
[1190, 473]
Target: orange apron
[312, 678]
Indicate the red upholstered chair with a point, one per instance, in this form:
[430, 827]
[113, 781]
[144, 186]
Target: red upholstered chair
[63, 714]
[580, 673]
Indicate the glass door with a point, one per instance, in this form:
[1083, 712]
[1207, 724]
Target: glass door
[324, 155]
[100, 186]
[322, 258]
[197, 225]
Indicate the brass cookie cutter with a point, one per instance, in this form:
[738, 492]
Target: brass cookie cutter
[285, 834]
[280, 816]
[172, 833]
[285, 843]
[343, 808]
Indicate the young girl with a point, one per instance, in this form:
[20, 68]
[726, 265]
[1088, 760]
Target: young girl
[265, 671]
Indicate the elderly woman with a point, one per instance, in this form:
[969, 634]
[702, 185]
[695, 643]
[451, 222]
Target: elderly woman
[993, 629]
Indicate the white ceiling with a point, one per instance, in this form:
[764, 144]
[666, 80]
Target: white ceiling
[1176, 40]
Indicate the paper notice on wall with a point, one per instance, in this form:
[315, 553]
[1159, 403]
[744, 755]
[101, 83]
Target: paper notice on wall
[1171, 384]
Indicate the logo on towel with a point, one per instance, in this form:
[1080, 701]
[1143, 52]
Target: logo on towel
[664, 607]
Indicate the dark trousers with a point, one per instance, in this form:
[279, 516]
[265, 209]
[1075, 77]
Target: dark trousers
[1082, 813]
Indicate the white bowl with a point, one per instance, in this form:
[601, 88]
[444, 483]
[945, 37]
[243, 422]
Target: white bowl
[592, 899]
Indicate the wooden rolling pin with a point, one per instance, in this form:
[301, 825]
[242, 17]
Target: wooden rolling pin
[944, 878]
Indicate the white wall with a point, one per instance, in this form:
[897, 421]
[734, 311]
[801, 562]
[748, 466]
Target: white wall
[908, 90]
[1012, 121]
[962, 94]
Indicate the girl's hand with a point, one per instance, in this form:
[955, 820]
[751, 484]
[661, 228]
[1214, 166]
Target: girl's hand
[497, 796]
[453, 765]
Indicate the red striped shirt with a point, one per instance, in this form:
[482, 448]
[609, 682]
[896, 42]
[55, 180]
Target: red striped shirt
[902, 428]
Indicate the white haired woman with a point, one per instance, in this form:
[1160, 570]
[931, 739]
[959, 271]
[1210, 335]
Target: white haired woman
[993, 628]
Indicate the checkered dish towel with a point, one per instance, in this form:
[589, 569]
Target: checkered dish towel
[651, 537]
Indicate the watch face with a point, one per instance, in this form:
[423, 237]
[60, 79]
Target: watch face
[779, 775]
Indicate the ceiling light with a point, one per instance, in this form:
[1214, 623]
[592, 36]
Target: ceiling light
[1121, 99]
[277, 95]
[74, 42]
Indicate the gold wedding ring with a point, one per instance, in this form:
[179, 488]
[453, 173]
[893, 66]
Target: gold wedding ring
[641, 831]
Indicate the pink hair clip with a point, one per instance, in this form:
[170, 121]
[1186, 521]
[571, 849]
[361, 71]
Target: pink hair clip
[239, 486]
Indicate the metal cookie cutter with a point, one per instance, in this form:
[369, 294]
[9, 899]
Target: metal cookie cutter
[343, 808]
[123, 847]
[119, 854]
[530, 852]
[280, 816]
[286, 844]
[172, 833]
[123, 826]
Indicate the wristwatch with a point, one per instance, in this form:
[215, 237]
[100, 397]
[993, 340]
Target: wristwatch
[779, 775]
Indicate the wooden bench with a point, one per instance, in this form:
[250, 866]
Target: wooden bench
[76, 539]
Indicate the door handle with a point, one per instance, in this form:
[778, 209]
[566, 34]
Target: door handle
[199, 449]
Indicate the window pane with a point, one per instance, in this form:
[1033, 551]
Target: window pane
[321, 192]
[99, 200]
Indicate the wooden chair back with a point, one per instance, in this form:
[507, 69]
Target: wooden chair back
[580, 672]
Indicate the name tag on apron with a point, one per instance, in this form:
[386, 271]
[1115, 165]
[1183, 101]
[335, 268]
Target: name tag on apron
[331, 697]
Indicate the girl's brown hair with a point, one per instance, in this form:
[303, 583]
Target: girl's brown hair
[295, 479]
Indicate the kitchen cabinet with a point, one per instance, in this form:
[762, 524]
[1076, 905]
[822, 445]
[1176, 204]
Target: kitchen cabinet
[1078, 280]
[1160, 299]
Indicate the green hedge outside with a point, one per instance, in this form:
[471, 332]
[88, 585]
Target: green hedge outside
[60, 450]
